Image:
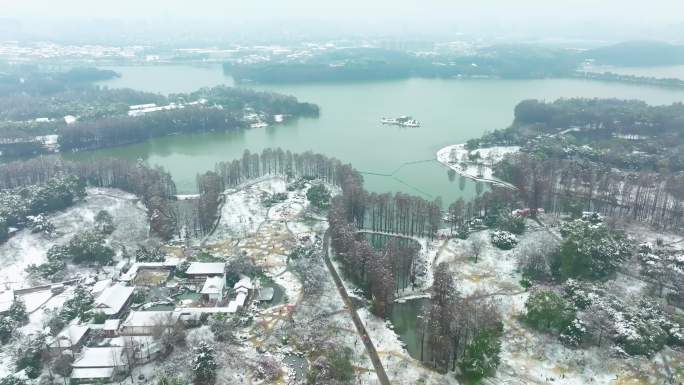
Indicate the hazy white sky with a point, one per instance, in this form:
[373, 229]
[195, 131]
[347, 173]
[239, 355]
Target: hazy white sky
[611, 10]
[605, 20]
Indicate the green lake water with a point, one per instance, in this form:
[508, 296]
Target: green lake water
[167, 79]
[391, 158]
[405, 318]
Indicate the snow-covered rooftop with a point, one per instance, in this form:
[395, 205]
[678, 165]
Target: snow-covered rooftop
[213, 285]
[243, 282]
[232, 306]
[107, 357]
[113, 298]
[131, 340]
[199, 310]
[99, 286]
[69, 336]
[206, 268]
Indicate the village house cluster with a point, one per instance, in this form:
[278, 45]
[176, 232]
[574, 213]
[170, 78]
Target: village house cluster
[133, 302]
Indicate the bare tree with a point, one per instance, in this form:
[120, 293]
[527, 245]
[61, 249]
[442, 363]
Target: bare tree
[169, 332]
[599, 322]
[477, 245]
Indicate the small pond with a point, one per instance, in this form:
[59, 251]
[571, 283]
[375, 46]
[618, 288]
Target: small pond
[404, 318]
[278, 292]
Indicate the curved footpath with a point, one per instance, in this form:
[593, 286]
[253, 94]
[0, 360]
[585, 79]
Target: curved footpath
[360, 328]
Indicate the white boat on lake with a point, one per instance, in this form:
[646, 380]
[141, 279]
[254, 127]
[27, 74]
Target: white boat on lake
[404, 121]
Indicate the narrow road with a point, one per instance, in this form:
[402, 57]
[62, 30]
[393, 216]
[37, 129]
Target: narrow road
[360, 328]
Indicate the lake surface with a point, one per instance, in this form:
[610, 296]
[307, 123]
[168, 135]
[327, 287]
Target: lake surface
[405, 318]
[392, 158]
[167, 79]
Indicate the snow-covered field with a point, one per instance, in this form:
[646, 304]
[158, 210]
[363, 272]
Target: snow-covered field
[25, 248]
[456, 157]
[242, 212]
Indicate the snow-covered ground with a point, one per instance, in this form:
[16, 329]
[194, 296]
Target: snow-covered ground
[25, 248]
[645, 233]
[527, 357]
[268, 238]
[268, 235]
[242, 212]
[456, 157]
[37, 304]
[532, 357]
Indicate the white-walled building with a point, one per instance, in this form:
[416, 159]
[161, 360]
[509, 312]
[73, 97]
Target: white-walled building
[98, 364]
[203, 270]
[242, 289]
[213, 288]
[111, 327]
[143, 323]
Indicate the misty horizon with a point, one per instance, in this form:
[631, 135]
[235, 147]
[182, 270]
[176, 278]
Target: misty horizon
[304, 19]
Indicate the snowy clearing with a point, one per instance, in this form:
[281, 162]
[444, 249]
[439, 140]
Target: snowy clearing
[458, 158]
[26, 248]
